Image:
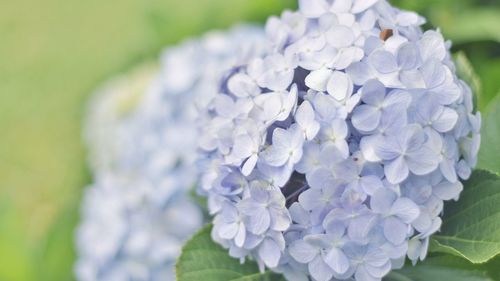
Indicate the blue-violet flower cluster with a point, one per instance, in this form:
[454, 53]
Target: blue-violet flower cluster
[330, 156]
[142, 138]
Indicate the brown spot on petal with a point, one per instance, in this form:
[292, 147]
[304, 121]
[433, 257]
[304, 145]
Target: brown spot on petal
[386, 34]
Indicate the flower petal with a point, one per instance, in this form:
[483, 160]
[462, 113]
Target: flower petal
[340, 86]
[366, 118]
[397, 170]
[337, 261]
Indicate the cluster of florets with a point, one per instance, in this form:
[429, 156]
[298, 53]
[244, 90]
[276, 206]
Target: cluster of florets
[331, 155]
[142, 134]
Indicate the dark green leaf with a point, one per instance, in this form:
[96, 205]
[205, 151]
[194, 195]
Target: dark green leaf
[202, 259]
[439, 269]
[471, 226]
[489, 154]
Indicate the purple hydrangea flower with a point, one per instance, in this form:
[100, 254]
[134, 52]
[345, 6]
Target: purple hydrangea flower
[351, 132]
[142, 139]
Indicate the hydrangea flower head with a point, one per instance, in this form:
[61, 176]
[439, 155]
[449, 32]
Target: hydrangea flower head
[142, 138]
[331, 155]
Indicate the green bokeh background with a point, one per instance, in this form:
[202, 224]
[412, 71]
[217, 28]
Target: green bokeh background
[54, 52]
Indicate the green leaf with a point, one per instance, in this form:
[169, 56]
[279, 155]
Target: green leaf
[488, 69]
[467, 25]
[471, 226]
[489, 154]
[467, 73]
[202, 259]
[439, 269]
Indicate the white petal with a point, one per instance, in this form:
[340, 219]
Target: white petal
[312, 8]
[340, 85]
[318, 79]
[340, 36]
[361, 5]
[249, 165]
[239, 240]
[432, 46]
[347, 56]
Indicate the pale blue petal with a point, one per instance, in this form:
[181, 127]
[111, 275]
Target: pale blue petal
[432, 46]
[448, 191]
[434, 73]
[363, 275]
[270, 253]
[408, 56]
[259, 221]
[383, 61]
[373, 93]
[386, 148]
[360, 227]
[422, 161]
[446, 121]
[319, 270]
[395, 230]
[311, 199]
[397, 170]
[366, 118]
[405, 209]
[228, 231]
[242, 85]
[302, 251]
[360, 73]
[337, 261]
[381, 202]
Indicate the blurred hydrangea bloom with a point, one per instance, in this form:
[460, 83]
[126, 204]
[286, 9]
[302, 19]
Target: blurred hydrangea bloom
[142, 138]
[331, 155]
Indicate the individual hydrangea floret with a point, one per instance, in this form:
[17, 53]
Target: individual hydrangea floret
[142, 139]
[330, 156]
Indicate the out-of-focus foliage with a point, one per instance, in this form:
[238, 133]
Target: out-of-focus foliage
[54, 52]
[490, 137]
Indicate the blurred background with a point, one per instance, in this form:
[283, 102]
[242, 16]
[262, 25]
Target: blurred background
[53, 53]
